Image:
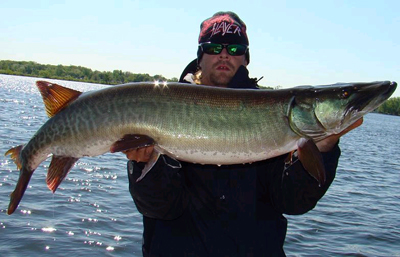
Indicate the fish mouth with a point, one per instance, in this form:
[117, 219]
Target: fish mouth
[392, 87]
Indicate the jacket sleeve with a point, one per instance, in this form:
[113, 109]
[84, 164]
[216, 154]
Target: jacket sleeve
[161, 193]
[293, 191]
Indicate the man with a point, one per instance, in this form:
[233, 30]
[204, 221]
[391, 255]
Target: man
[234, 210]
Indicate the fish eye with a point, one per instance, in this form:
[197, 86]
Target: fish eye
[344, 94]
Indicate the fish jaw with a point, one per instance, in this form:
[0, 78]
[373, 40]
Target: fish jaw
[369, 98]
[318, 112]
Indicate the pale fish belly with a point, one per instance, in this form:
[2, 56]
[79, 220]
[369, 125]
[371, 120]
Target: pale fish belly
[90, 148]
[226, 157]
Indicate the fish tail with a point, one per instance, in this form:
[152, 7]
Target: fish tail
[19, 191]
[24, 177]
[15, 155]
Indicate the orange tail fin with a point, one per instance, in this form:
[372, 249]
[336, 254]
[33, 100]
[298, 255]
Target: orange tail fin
[19, 191]
[24, 177]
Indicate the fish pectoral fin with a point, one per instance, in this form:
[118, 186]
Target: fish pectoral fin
[56, 97]
[311, 159]
[58, 170]
[131, 141]
[150, 164]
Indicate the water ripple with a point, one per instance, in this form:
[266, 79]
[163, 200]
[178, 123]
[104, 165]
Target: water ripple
[92, 212]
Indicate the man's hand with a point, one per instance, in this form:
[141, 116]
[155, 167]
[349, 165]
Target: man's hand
[140, 154]
[328, 143]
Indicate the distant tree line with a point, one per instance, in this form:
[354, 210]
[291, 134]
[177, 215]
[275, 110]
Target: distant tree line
[391, 106]
[76, 73]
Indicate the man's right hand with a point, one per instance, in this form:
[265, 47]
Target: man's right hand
[140, 154]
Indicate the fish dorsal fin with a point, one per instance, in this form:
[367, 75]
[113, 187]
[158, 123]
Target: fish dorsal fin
[56, 97]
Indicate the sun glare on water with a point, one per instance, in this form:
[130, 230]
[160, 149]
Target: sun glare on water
[49, 229]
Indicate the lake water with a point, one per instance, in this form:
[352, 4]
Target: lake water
[92, 212]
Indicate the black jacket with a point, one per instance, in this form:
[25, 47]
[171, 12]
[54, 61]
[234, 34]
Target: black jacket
[233, 210]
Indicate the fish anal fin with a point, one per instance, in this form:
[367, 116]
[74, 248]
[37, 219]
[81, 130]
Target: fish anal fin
[131, 141]
[311, 159]
[58, 170]
[14, 153]
[56, 97]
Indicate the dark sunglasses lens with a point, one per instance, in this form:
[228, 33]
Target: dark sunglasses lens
[236, 49]
[212, 48]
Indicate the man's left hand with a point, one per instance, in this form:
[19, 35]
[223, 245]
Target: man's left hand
[328, 143]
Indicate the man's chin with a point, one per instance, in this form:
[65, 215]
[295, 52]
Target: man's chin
[221, 80]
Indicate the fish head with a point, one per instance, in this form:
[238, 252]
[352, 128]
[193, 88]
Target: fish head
[339, 107]
[333, 108]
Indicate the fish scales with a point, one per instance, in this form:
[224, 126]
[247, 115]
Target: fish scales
[211, 122]
[212, 125]
[183, 120]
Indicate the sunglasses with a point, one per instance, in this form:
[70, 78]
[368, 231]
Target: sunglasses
[232, 49]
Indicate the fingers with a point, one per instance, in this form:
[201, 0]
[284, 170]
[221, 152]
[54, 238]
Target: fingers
[147, 153]
[352, 126]
[328, 143]
[139, 155]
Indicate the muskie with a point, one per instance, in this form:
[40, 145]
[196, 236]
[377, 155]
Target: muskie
[192, 123]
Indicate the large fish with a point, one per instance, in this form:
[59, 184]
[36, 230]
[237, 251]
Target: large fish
[192, 123]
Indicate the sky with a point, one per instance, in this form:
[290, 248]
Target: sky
[291, 42]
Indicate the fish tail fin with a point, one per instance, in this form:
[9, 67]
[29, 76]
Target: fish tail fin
[24, 177]
[15, 155]
[19, 191]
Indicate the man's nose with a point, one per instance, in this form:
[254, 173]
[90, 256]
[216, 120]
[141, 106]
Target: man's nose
[224, 54]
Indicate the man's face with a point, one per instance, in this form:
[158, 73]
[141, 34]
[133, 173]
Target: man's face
[218, 70]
